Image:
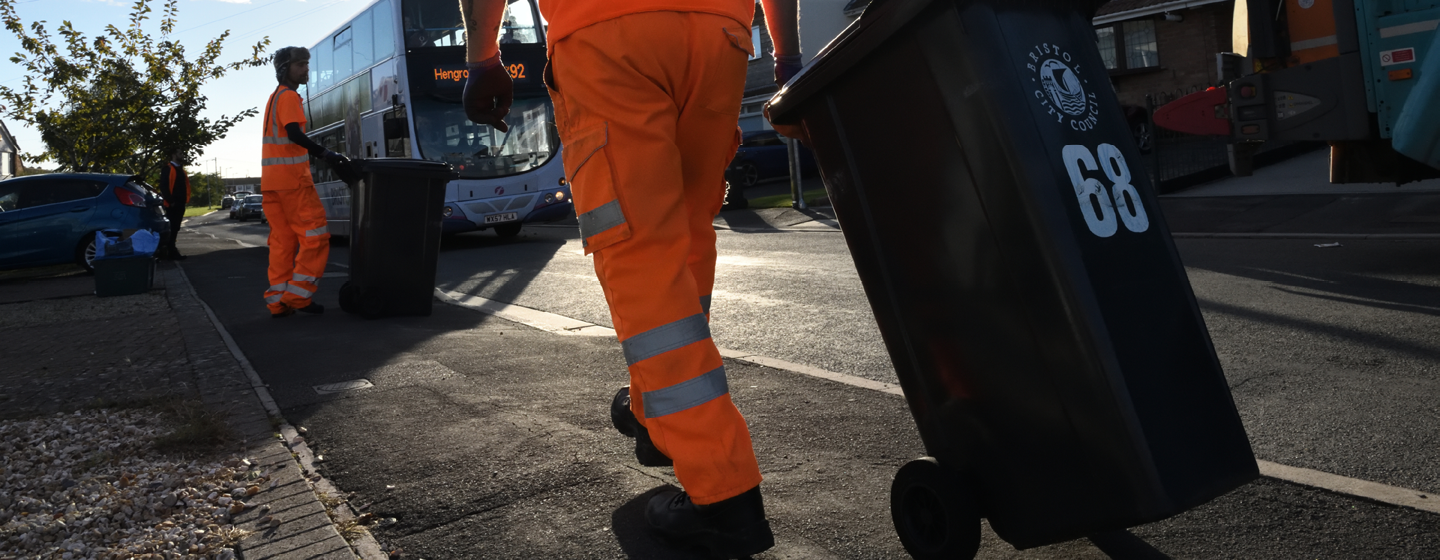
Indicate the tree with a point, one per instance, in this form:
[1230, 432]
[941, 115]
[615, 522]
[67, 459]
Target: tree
[121, 102]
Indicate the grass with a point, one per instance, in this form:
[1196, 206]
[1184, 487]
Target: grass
[783, 200]
[201, 427]
[192, 211]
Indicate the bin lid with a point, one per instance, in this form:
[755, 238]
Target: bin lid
[881, 20]
[410, 167]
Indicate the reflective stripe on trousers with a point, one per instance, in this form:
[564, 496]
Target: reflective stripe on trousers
[709, 386]
[665, 338]
[600, 219]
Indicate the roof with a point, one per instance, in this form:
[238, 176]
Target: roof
[8, 140]
[1118, 10]
[111, 178]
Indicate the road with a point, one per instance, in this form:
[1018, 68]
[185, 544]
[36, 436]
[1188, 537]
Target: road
[1332, 353]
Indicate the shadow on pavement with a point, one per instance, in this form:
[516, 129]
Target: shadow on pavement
[634, 535]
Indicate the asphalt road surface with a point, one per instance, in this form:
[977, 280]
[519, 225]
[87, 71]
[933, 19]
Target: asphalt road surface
[1332, 353]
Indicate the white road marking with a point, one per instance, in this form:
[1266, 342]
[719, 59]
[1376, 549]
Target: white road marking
[560, 324]
[1371, 236]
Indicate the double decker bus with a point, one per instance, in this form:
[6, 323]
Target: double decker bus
[388, 83]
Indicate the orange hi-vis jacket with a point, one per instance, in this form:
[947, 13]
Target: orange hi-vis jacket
[566, 16]
[177, 175]
[283, 164]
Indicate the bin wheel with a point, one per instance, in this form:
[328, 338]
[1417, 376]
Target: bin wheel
[347, 298]
[934, 512]
[506, 231]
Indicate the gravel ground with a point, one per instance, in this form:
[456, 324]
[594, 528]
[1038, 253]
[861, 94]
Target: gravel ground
[91, 484]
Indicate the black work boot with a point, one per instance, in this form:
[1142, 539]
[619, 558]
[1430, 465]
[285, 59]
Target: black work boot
[314, 308]
[624, 420]
[733, 528]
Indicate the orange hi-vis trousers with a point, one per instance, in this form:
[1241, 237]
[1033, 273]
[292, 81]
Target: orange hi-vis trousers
[299, 246]
[647, 106]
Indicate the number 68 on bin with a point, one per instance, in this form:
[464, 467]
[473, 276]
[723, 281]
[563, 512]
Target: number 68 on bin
[1100, 206]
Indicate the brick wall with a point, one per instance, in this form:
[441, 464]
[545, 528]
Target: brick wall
[1187, 55]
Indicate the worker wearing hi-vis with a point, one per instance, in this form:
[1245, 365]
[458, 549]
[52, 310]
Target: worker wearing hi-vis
[176, 186]
[647, 100]
[299, 242]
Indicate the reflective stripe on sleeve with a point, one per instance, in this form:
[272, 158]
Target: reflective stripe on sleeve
[686, 394]
[317, 231]
[303, 278]
[297, 290]
[705, 303]
[284, 160]
[600, 219]
[665, 338]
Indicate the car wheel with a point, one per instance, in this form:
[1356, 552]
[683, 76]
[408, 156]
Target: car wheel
[1143, 138]
[749, 175]
[507, 231]
[85, 252]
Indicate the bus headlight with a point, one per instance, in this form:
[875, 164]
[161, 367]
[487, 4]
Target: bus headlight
[560, 196]
[549, 198]
[447, 211]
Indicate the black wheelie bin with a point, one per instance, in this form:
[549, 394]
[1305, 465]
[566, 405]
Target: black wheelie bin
[1021, 273]
[395, 226]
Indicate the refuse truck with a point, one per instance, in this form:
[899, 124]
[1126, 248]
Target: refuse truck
[1023, 278]
[1362, 75]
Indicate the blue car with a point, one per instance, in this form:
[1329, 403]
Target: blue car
[52, 219]
[762, 155]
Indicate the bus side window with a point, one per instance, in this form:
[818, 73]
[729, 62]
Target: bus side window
[397, 135]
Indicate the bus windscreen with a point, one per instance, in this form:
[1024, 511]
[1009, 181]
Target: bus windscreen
[436, 23]
[481, 152]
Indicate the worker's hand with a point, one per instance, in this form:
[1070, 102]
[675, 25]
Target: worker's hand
[334, 159]
[489, 93]
[786, 67]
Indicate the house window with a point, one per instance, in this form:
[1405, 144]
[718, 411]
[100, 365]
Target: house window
[755, 42]
[1128, 45]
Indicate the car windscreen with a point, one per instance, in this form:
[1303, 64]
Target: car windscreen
[256, 198]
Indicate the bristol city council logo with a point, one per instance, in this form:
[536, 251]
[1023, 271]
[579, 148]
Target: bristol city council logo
[1060, 89]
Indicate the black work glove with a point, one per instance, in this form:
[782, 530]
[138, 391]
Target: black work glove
[334, 159]
[786, 67]
[489, 93]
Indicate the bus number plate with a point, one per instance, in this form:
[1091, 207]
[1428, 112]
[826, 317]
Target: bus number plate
[506, 217]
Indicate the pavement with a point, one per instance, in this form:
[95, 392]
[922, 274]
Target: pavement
[66, 349]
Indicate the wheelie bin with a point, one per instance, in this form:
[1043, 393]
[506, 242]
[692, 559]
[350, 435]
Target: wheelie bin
[1023, 278]
[395, 231]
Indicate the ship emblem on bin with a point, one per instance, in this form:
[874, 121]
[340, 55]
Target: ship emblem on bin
[1060, 89]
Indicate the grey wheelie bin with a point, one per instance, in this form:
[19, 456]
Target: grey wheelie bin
[394, 236]
[1021, 273]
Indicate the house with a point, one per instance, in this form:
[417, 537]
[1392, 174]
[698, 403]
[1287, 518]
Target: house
[820, 21]
[1164, 49]
[10, 165]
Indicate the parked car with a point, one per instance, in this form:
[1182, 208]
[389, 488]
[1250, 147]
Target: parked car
[762, 155]
[227, 202]
[249, 207]
[52, 219]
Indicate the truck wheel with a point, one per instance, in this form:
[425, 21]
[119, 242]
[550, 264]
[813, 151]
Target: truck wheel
[507, 231]
[934, 513]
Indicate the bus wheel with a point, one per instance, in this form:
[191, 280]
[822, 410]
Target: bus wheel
[507, 231]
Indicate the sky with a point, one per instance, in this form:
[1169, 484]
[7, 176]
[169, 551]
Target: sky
[286, 22]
